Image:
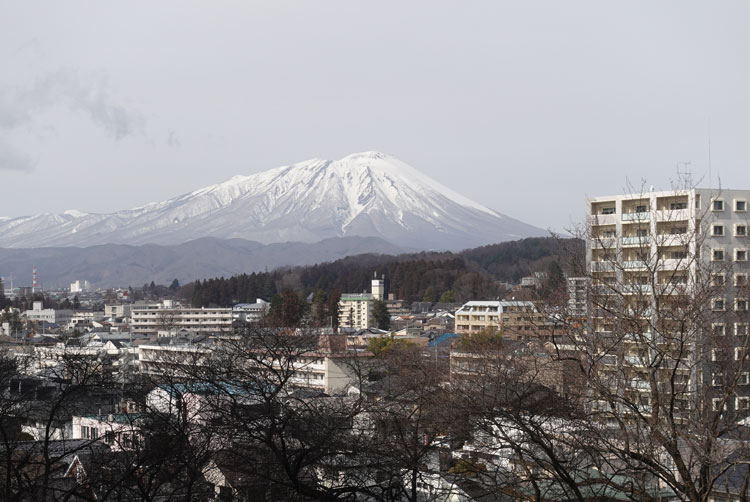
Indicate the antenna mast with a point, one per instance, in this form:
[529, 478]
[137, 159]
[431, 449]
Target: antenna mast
[709, 153]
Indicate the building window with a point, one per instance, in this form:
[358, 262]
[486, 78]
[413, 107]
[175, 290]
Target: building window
[641, 209]
[718, 355]
[718, 230]
[717, 255]
[718, 329]
[740, 354]
[740, 205]
[717, 280]
[740, 329]
[740, 230]
[744, 378]
[717, 304]
[678, 205]
[608, 210]
[740, 255]
[740, 279]
[716, 404]
[717, 379]
[718, 205]
[742, 403]
[740, 304]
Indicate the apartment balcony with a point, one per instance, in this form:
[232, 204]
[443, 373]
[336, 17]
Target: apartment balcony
[674, 264]
[640, 385]
[636, 361]
[638, 337]
[641, 313]
[603, 219]
[672, 289]
[673, 215]
[672, 240]
[637, 289]
[602, 266]
[634, 265]
[604, 242]
[640, 241]
[640, 216]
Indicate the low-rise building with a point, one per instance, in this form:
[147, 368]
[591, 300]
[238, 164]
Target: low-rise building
[168, 316]
[39, 314]
[251, 312]
[513, 316]
[117, 310]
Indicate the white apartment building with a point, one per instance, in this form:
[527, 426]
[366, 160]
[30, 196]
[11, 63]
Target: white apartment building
[477, 315]
[168, 317]
[578, 288]
[79, 286]
[355, 311]
[118, 310]
[39, 314]
[665, 245]
[251, 312]
[120, 431]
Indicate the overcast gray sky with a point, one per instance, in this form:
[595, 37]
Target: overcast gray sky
[527, 107]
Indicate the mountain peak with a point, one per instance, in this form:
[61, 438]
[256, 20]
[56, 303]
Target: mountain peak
[367, 194]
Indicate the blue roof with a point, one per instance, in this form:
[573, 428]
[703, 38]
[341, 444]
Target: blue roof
[442, 338]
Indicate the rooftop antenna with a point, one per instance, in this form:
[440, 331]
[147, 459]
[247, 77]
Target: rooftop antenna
[685, 176]
[709, 153]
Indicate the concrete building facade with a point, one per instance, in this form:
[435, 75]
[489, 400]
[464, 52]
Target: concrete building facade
[653, 249]
[168, 317]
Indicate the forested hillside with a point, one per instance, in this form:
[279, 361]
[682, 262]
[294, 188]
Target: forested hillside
[474, 273]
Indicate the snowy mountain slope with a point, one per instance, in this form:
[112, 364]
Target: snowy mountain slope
[364, 194]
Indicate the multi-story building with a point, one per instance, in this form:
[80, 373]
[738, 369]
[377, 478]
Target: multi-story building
[251, 312]
[117, 310]
[515, 318]
[39, 314]
[355, 309]
[169, 317]
[652, 254]
[578, 288]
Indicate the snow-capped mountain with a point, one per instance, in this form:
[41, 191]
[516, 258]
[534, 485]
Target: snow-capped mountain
[365, 194]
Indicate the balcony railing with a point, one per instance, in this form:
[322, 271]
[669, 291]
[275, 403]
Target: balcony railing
[602, 266]
[640, 216]
[637, 289]
[603, 219]
[670, 240]
[633, 264]
[674, 264]
[642, 240]
[673, 215]
[604, 242]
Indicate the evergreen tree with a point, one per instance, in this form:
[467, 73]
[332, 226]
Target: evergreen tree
[381, 315]
[429, 295]
[448, 296]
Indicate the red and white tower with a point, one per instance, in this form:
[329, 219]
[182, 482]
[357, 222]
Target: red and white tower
[33, 281]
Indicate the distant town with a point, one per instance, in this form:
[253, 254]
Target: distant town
[611, 365]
